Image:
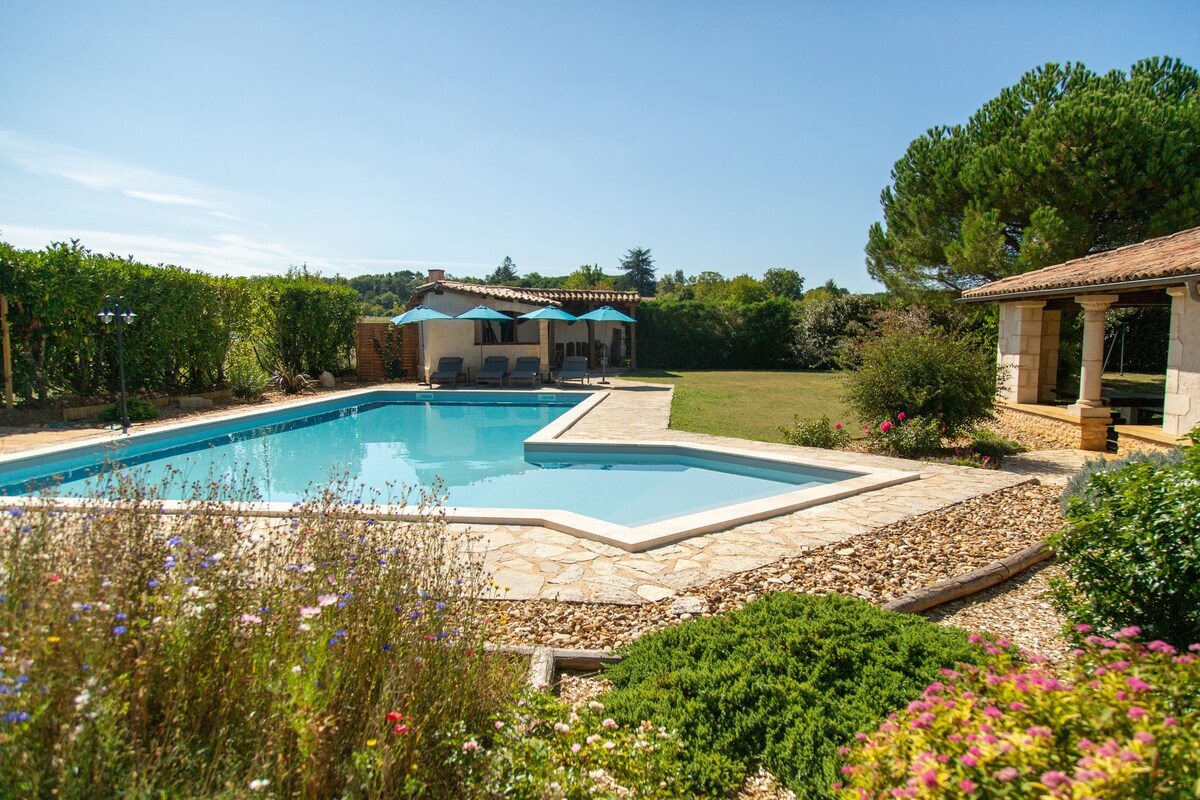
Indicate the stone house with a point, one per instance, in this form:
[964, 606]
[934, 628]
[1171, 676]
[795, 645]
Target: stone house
[1163, 271]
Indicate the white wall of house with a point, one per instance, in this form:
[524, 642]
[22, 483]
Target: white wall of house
[460, 338]
[1181, 405]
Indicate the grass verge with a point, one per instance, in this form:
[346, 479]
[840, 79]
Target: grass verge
[750, 405]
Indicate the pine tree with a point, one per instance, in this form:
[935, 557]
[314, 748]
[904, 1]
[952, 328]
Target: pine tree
[639, 268]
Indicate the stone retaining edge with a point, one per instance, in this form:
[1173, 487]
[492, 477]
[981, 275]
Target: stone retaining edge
[970, 583]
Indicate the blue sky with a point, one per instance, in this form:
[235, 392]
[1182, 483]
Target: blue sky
[245, 137]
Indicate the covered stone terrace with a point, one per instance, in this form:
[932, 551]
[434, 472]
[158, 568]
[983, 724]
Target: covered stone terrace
[1163, 271]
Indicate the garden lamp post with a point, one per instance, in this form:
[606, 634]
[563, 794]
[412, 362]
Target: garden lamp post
[119, 310]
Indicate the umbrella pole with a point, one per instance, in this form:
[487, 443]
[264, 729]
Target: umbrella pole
[424, 368]
[603, 360]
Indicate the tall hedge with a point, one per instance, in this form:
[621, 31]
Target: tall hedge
[185, 326]
[692, 334]
[305, 324]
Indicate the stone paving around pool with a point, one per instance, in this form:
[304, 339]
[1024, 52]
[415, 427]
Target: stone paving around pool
[540, 563]
[535, 562]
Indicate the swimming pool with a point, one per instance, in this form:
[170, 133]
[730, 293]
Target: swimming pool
[498, 457]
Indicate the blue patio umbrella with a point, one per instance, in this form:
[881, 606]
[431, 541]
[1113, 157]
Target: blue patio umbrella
[605, 314]
[419, 314]
[550, 313]
[484, 314]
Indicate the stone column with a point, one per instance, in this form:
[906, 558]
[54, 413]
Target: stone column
[1094, 306]
[1048, 380]
[1181, 404]
[1020, 350]
[1089, 408]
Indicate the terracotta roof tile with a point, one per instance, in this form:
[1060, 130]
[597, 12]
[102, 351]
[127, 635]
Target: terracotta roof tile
[538, 297]
[1161, 259]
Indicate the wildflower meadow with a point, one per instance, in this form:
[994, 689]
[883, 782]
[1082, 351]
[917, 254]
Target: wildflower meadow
[325, 653]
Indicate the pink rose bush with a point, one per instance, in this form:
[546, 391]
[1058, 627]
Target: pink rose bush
[1124, 723]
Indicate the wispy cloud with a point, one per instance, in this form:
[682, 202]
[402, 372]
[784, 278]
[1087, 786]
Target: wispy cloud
[223, 253]
[106, 175]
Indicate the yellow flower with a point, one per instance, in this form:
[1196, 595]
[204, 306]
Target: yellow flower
[52, 639]
[372, 742]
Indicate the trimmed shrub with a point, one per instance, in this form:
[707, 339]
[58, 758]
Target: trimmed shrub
[783, 682]
[1131, 550]
[911, 366]
[139, 410]
[1123, 724]
[539, 748]
[816, 433]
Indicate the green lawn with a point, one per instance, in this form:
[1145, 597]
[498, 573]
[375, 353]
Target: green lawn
[750, 405]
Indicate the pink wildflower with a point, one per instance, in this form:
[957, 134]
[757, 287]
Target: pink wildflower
[610, 723]
[966, 785]
[469, 745]
[251, 619]
[308, 612]
[1135, 712]
[1007, 774]
[1054, 779]
[900, 416]
[885, 426]
[1137, 684]
[326, 599]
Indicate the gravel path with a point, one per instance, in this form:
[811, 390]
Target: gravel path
[875, 566]
[1018, 610]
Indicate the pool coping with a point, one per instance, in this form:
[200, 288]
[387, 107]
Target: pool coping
[546, 441]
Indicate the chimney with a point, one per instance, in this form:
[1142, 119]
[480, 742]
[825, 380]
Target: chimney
[436, 275]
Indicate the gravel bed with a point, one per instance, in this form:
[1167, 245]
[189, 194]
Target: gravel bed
[877, 566]
[1018, 610]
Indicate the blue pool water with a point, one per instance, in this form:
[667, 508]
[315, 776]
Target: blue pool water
[474, 448]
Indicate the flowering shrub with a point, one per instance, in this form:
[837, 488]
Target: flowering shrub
[1124, 724]
[908, 436]
[783, 682]
[203, 654]
[539, 748]
[911, 364]
[1131, 550]
[816, 433]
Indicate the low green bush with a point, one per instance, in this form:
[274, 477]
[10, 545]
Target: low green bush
[539, 748]
[1131, 550]
[1124, 723]
[782, 682]
[993, 445]
[816, 433]
[139, 410]
[907, 436]
[1080, 483]
[247, 380]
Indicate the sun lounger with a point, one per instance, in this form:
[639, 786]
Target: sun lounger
[527, 370]
[449, 370]
[495, 368]
[574, 368]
